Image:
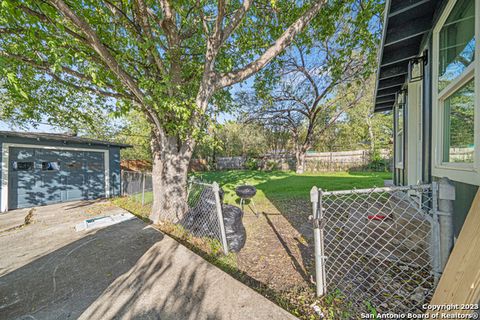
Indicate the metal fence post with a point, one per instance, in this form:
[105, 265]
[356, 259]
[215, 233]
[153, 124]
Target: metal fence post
[435, 237]
[317, 215]
[143, 188]
[446, 196]
[216, 191]
[122, 186]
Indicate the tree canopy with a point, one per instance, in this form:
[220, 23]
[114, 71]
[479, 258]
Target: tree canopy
[64, 60]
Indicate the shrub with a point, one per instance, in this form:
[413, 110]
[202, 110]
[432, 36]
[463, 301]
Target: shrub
[251, 164]
[270, 165]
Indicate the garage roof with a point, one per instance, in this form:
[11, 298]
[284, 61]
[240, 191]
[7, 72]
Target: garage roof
[61, 137]
[406, 23]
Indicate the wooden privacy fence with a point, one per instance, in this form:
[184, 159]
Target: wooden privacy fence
[341, 160]
[318, 161]
[228, 163]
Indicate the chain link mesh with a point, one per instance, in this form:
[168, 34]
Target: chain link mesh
[202, 217]
[379, 247]
[199, 225]
[138, 186]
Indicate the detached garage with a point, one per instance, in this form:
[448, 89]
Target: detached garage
[45, 168]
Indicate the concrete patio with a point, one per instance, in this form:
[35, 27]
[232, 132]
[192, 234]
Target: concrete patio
[124, 271]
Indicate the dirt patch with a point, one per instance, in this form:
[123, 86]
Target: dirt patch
[274, 253]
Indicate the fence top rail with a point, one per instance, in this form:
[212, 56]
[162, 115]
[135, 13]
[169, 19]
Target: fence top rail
[376, 190]
[200, 183]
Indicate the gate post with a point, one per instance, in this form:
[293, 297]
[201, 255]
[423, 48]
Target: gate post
[446, 196]
[435, 236]
[317, 219]
[218, 205]
[122, 186]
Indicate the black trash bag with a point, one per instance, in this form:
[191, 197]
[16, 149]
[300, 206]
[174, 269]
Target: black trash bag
[234, 229]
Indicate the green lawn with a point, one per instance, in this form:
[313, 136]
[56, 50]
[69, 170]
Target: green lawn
[286, 185]
[282, 185]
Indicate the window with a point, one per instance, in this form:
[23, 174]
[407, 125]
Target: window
[456, 102]
[456, 43]
[459, 134]
[50, 166]
[22, 165]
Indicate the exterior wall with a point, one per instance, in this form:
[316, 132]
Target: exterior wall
[465, 192]
[114, 157]
[115, 171]
[464, 195]
[398, 172]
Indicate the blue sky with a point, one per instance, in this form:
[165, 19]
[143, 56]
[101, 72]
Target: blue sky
[6, 126]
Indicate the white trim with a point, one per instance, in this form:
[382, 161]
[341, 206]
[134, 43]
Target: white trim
[5, 167]
[414, 133]
[456, 83]
[399, 132]
[463, 172]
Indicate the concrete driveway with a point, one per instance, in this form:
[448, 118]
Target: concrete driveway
[124, 271]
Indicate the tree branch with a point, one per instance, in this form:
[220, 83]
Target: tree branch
[282, 42]
[96, 44]
[47, 68]
[143, 13]
[236, 20]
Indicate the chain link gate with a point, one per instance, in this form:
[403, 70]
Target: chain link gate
[377, 247]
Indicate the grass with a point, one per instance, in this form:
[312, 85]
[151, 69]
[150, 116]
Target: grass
[283, 185]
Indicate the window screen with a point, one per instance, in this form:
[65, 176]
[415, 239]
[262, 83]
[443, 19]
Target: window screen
[22, 165]
[50, 165]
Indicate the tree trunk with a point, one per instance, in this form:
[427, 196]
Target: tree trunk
[169, 179]
[300, 158]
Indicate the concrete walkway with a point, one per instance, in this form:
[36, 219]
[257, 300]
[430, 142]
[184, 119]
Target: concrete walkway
[125, 271]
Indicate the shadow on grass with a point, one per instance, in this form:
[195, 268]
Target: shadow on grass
[285, 246]
[291, 197]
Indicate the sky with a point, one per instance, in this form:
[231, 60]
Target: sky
[6, 126]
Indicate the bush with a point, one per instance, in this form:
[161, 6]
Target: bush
[251, 164]
[379, 165]
[270, 165]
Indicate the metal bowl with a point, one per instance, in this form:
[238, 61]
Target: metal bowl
[246, 192]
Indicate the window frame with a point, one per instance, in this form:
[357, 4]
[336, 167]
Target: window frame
[457, 171]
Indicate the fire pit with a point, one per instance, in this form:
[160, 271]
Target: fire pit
[247, 192]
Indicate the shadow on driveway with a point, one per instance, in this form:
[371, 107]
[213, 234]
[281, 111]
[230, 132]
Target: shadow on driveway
[107, 274]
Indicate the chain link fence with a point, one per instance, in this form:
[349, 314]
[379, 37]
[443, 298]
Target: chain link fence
[202, 222]
[377, 248]
[138, 186]
[204, 218]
